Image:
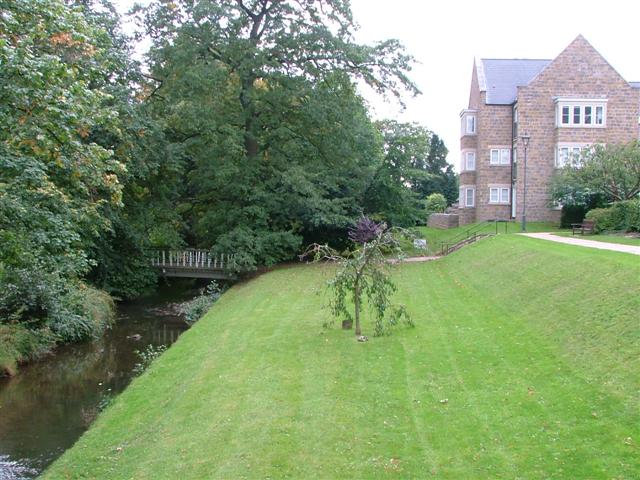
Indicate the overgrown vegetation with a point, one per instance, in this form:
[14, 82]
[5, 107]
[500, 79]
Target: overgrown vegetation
[194, 309]
[61, 74]
[244, 133]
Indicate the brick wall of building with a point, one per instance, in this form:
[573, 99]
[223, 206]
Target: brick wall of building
[578, 72]
[494, 131]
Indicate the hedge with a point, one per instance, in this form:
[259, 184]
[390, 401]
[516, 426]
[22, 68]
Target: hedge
[620, 216]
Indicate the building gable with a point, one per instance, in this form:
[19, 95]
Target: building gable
[575, 64]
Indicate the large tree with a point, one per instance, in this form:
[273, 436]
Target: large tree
[56, 181]
[259, 96]
[414, 166]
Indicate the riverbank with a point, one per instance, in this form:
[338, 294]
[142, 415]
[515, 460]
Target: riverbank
[21, 343]
[522, 362]
[52, 401]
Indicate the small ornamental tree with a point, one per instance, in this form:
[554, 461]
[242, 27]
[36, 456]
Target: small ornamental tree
[364, 272]
[436, 203]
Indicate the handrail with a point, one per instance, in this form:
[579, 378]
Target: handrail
[192, 258]
[465, 235]
[450, 245]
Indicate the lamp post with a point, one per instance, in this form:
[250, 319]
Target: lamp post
[525, 142]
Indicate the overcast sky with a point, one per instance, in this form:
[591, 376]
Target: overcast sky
[445, 36]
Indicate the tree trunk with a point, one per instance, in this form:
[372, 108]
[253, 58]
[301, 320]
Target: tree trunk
[356, 301]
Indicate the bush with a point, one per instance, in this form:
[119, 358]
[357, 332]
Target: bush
[19, 344]
[620, 216]
[436, 203]
[195, 309]
[572, 214]
[39, 310]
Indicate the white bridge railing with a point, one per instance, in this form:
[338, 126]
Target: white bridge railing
[192, 259]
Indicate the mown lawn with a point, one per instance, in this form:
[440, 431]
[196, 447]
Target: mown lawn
[622, 238]
[523, 365]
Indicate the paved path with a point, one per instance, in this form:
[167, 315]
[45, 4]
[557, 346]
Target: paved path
[616, 247]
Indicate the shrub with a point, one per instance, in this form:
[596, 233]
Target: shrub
[572, 214]
[620, 216]
[195, 309]
[19, 344]
[436, 203]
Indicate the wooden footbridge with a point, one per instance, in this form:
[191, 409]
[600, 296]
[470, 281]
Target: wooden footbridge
[194, 263]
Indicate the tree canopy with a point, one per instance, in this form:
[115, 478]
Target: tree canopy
[259, 98]
[244, 132]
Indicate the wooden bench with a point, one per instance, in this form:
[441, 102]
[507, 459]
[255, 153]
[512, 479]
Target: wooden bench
[587, 226]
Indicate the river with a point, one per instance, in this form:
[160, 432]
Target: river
[50, 403]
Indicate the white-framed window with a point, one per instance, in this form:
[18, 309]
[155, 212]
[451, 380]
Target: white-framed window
[500, 156]
[467, 196]
[499, 194]
[568, 153]
[589, 113]
[470, 160]
[468, 125]
[471, 124]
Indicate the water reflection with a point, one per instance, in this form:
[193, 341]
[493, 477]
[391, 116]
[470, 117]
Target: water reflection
[45, 408]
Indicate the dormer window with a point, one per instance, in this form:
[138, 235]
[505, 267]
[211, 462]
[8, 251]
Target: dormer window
[468, 123]
[586, 113]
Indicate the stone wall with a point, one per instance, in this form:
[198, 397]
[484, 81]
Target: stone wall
[443, 220]
[494, 132]
[579, 72]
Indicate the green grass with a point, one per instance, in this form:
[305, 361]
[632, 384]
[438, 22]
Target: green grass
[621, 238]
[523, 365]
[436, 236]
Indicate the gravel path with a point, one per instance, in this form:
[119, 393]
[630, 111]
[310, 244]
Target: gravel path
[616, 247]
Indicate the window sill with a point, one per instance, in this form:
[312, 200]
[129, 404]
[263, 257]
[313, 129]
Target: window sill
[581, 126]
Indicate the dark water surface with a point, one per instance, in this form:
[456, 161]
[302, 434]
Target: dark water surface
[50, 403]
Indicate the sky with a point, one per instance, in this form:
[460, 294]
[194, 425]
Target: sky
[445, 37]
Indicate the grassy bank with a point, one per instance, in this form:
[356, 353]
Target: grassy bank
[523, 364]
[435, 236]
[21, 342]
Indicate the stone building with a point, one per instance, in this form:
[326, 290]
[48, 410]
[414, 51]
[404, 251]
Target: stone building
[564, 105]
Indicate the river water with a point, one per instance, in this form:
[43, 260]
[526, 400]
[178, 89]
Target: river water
[50, 403]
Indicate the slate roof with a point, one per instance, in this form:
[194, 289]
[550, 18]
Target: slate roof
[501, 77]
[635, 84]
